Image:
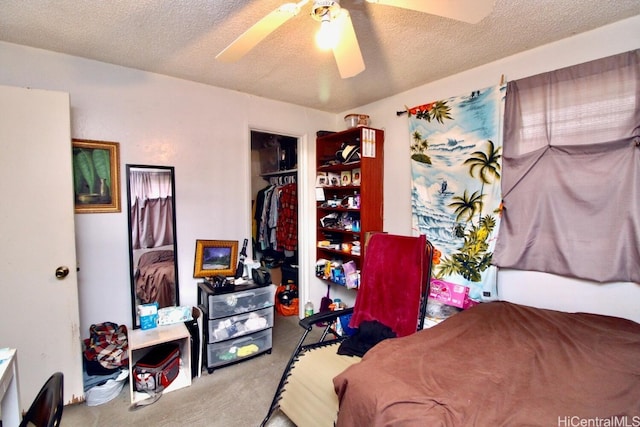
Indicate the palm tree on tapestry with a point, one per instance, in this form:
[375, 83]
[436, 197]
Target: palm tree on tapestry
[487, 165]
[472, 257]
[465, 206]
[419, 147]
[437, 111]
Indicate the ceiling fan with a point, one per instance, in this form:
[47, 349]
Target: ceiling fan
[336, 29]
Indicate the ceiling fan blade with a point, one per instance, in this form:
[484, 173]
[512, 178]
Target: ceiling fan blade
[471, 11]
[347, 52]
[261, 29]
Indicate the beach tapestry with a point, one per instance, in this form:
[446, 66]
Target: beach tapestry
[456, 162]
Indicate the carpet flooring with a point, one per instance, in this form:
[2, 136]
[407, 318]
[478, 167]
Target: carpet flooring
[237, 395]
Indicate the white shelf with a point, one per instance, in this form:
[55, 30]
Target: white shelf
[142, 341]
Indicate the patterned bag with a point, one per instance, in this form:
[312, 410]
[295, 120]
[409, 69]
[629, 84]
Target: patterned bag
[108, 345]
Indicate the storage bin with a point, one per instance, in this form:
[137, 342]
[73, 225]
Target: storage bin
[356, 120]
[238, 302]
[230, 351]
[239, 325]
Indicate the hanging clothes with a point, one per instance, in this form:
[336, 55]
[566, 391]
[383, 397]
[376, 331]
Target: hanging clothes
[287, 227]
[262, 216]
[272, 217]
[276, 218]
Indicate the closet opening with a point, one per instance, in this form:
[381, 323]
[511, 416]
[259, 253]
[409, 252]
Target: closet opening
[274, 203]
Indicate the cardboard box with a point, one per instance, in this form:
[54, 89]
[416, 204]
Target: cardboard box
[451, 294]
[276, 276]
[270, 159]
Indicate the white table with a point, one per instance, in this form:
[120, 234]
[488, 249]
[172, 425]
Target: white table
[9, 392]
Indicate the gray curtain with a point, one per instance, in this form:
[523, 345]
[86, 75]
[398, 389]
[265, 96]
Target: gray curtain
[151, 209]
[571, 172]
[152, 223]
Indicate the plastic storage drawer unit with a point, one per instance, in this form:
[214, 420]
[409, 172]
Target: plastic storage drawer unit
[231, 351]
[239, 325]
[229, 304]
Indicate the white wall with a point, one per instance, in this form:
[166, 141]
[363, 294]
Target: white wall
[203, 131]
[531, 288]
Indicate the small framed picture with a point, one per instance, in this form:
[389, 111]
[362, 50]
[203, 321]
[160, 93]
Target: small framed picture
[333, 179]
[345, 178]
[355, 176]
[215, 258]
[322, 180]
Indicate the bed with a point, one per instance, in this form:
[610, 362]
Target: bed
[155, 278]
[499, 364]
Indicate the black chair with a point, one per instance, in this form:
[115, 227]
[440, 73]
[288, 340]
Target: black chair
[46, 409]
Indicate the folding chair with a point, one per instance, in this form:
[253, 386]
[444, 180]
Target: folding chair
[393, 291]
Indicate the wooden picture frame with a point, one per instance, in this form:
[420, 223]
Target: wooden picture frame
[96, 176]
[216, 258]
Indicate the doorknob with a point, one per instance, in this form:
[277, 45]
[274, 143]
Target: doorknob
[62, 272]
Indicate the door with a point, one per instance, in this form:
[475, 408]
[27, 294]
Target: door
[39, 313]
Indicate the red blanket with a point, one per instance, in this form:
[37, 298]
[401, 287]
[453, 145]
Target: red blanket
[391, 284]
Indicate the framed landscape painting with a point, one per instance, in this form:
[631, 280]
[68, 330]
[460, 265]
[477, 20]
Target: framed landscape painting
[215, 258]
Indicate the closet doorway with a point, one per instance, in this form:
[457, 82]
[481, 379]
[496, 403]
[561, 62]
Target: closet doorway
[274, 202]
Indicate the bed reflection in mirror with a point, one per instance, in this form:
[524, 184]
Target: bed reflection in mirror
[152, 237]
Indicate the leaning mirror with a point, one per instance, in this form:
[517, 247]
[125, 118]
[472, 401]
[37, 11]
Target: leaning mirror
[152, 237]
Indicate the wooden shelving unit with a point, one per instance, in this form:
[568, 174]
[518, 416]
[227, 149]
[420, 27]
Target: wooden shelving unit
[338, 194]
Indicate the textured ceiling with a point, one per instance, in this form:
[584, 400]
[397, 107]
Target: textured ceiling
[401, 49]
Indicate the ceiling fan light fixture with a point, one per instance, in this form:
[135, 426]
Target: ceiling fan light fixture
[328, 35]
[322, 9]
[337, 31]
